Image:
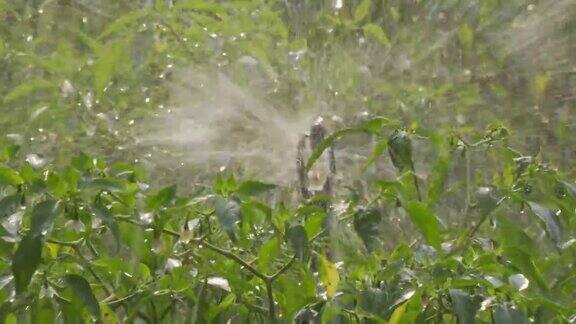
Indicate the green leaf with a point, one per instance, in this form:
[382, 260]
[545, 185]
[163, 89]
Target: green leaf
[486, 201]
[162, 198]
[362, 10]
[299, 242]
[550, 220]
[377, 33]
[508, 314]
[107, 184]
[8, 151]
[82, 290]
[106, 216]
[252, 188]
[10, 177]
[26, 260]
[400, 150]
[228, 213]
[466, 36]
[398, 314]
[511, 235]
[110, 62]
[425, 221]
[525, 264]
[28, 88]
[329, 276]
[464, 306]
[268, 253]
[43, 216]
[379, 148]
[56, 185]
[315, 223]
[121, 24]
[438, 177]
[367, 226]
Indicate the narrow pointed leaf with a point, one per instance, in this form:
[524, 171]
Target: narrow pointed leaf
[26, 260]
[82, 290]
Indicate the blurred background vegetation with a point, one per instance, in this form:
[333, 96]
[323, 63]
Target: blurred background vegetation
[91, 75]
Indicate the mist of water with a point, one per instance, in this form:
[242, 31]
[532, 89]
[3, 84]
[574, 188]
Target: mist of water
[213, 121]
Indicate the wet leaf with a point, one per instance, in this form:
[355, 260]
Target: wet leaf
[299, 242]
[367, 226]
[508, 314]
[108, 184]
[425, 221]
[252, 188]
[106, 216]
[525, 264]
[81, 289]
[161, 199]
[26, 260]
[464, 305]
[43, 215]
[228, 213]
[400, 150]
[550, 220]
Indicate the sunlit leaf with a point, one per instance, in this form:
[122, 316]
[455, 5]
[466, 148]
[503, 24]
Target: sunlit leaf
[10, 177]
[329, 276]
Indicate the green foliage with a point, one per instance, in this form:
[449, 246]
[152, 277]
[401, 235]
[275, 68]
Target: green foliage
[469, 218]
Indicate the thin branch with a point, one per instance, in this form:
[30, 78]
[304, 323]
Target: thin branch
[234, 258]
[92, 272]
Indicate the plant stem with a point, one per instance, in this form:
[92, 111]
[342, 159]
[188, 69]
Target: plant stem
[271, 311]
[92, 272]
